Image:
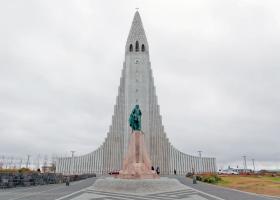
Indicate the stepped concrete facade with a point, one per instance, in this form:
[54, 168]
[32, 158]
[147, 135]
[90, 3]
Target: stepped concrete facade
[136, 87]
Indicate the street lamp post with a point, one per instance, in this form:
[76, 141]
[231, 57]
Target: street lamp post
[200, 161]
[27, 162]
[245, 163]
[253, 160]
[72, 162]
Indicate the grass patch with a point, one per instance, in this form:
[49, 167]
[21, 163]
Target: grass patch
[223, 182]
[276, 179]
[256, 184]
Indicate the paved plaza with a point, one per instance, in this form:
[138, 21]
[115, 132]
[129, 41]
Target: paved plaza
[44, 192]
[186, 194]
[85, 190]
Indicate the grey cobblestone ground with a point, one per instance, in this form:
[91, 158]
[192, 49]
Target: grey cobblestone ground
[85, 190]
[172, 195]
[160, 189]
[45, 192]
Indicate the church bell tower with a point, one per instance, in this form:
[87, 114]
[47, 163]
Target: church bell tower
[137, 69]
[136, 87]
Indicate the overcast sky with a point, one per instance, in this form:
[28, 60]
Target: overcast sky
[216, 66]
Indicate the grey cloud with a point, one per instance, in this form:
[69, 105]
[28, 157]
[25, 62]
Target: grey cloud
[215, 64]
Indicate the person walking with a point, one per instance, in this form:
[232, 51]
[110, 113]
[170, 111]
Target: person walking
[67, 181]
[157, 170]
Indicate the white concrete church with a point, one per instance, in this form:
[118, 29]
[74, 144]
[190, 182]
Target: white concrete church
[136, 87]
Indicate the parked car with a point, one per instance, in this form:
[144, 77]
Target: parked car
[228, 172]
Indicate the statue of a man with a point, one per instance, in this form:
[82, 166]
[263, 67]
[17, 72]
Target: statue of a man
[135, 119]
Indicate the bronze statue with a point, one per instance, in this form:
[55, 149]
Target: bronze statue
[135, 119]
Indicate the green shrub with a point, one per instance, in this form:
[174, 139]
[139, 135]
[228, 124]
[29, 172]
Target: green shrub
[24, 170]
[213, 178]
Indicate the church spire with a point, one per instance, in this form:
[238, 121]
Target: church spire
[137, 41]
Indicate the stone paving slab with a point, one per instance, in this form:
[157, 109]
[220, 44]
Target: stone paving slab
[84, 190]
[45, 192]
[101, 195]
[120, 189]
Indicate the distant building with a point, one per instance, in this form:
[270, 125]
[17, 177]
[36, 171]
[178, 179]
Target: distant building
[136, 87]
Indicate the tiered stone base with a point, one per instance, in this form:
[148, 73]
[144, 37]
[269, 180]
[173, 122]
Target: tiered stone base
[137, 171]
[144, 186]
[137, 164]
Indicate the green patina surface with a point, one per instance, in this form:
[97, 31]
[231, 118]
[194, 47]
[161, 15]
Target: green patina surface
[135, 119]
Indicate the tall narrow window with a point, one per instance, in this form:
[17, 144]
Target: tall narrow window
[143, 48]
[130, 48]
[137, 46]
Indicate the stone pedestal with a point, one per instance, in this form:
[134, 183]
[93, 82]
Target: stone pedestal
[139, 186]
[137, 164]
